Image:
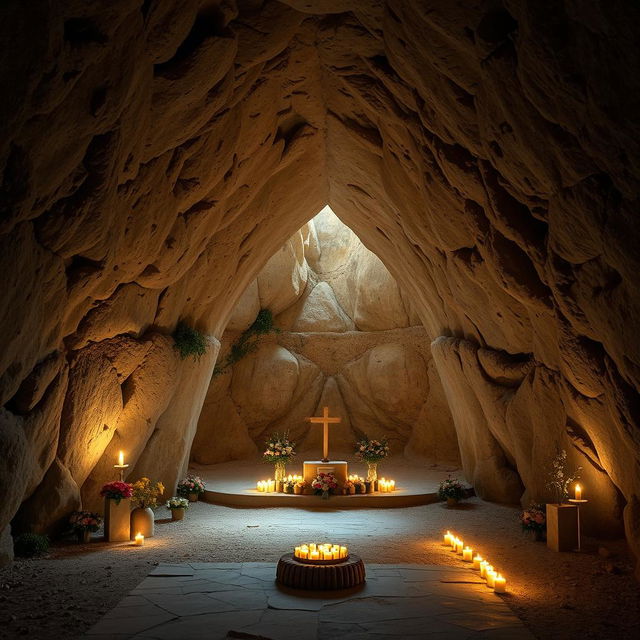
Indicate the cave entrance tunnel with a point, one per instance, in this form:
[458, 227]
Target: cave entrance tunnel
[466, 148]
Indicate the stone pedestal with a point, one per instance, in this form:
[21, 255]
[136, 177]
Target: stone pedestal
[311, 468]
[116, 520]
[562, 527]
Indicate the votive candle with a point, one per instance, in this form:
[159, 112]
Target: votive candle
[483, 568]
[500, 584]
[476, 563]
[139, 540]
[467, 554]
[491, 578]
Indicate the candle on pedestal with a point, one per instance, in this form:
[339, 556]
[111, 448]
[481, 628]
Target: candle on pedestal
[578, 495]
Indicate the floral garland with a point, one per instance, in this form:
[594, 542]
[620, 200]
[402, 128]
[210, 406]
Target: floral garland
[279, 448]
[372, 450]
[117, 491]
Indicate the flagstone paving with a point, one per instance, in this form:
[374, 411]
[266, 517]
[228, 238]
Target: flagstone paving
[215, 601]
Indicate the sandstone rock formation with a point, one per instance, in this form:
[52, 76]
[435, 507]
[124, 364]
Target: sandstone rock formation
[488, 153]
[378, 381]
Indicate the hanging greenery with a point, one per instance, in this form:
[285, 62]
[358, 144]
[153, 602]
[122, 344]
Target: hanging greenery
[189, 341]
[247, 341]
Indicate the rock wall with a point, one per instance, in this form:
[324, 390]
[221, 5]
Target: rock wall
[343, 332]
[487, 153]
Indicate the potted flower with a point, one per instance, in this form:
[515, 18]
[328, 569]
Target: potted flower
[145, 495]
[323, 483]
[534, 519]
[177, 506]
[289, 485]
[84, 523]
[451, 490]
[278, 451]
[349, 488]
[372, 451]
[299, 487]
[117, 510]
[191, 487]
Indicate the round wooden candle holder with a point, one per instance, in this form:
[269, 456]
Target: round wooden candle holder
[332, 574]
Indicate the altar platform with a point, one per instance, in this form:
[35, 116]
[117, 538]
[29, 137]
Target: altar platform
[234, 484]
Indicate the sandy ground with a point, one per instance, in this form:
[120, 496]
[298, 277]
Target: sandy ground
[565, 595]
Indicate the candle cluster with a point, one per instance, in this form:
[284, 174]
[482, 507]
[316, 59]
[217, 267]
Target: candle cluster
[495, 580]
[325, 551]
[355, 478]
[266, 486]
[386, 486]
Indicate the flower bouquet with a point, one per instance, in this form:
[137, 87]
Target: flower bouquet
[349, 488]
[372, 451]
[83, 523]
[146, 493]
[177, 506]
[534, 519]
[278, 451]
[451, 490]
[191, 487]
[289, 485]
[116, 491]
[560, 479]
[323, 483]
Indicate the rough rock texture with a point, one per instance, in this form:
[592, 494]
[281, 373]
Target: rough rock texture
[318, 358]
[488, 153]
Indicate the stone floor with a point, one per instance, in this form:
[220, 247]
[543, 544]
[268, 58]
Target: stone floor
[242, 600]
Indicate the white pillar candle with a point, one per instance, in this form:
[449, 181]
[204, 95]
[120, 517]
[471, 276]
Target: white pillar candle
[578, 492]
[467, 554]
[500, 584]
[491, 579]
[343, 552]
[446, 540]
[392, 485]
[460, 547]
[483, 568]
[476, 563]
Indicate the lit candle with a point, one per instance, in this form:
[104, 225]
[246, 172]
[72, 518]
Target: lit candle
[454, 545]
[483, 568]
[139, 540]
[491, 578]
[467, 554]
[335, 552]
[392, 485]
[452, 541]
[272, 486]
[296, 552]
[312, 546]
[446, 541]
[487, 571]
[476, 563]
[327, 555]
[121, 459]
[500, 584]
[343, 552]
[578, 492]
[459, 547]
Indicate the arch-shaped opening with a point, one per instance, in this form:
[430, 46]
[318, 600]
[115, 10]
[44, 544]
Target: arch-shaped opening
[475, 151]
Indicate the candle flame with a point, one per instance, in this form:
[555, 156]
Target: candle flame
[578, 487]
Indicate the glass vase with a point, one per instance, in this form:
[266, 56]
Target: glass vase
[372, 471]
[280, 471]
[325, 495]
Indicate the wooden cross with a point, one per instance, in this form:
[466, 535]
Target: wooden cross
[325, 421]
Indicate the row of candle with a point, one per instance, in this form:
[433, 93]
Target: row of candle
[355, 479]
[495, 580]
[386, 486]
[325, 551]
[266, 486]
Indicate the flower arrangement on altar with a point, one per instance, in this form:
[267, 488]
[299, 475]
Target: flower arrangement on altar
[146, 493]
[279, 449]
[560, 478]
[85, 521]
[191, 484]
[372, 450]
[534, 518]
[349, 487]
[289, 485]
[323, 483]
[177, 503]
[451, 490]
[116, 491]
[299, 487]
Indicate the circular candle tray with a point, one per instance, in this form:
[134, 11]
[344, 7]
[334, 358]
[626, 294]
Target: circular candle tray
[332, 574]
[320, 562]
